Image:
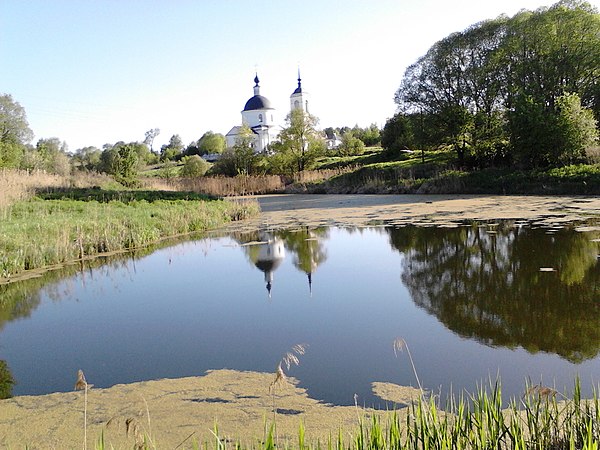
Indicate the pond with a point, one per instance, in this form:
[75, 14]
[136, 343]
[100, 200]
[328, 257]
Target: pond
[471, 302]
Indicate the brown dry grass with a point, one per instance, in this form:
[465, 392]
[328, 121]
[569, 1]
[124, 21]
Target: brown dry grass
[220, 186]
[16, 185]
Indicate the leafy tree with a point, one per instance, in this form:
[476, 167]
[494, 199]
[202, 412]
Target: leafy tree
[172, 150]
[371, 136]
[397, 134]
[14, 131]
[577, 130]
[150, 136]
[211, 143]
[87, 158]
[241, 158]
[194, 166]
[49, 155]
[351, 145]
[126, 165]
[476, 88]
[299, 143]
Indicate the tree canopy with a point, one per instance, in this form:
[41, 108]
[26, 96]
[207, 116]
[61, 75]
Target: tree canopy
[500, 83]
[14, 131]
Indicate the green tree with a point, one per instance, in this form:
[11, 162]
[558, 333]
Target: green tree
[172, 150]
[87, 158]
[121, 161]
[241, 158]
[351, 145]
[211, 143]
[194, 166]
[15, 133]
[397, 134]
[577, 130]
[299, 142]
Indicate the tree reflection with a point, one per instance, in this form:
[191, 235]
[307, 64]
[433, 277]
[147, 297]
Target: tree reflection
[485, 283]
[6, 380]
[267, 250]
[307, 247]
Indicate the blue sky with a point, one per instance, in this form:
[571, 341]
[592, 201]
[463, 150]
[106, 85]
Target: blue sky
[92, 72]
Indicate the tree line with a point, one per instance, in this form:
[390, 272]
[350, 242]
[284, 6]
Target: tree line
[298, 146]
[521, 90]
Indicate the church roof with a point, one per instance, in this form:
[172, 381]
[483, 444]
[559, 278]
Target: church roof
[257, 102]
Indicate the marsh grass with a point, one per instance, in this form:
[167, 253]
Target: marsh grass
[39, 233]
[18, 185]
[220, 186]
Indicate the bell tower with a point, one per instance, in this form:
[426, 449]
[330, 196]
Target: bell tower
[299, 98]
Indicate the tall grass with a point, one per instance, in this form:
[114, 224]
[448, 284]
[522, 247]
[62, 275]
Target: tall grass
[16, 185]
[39, 233]
[220, 186]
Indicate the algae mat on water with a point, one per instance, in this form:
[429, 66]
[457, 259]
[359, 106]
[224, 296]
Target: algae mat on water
[172, 411]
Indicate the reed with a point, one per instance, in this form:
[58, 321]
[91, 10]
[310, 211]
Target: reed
[220, 186]
[18, 185]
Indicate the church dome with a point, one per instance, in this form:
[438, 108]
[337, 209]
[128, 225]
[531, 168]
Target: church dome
[257, 102]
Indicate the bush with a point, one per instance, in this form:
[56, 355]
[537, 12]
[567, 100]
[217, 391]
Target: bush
[194, 166]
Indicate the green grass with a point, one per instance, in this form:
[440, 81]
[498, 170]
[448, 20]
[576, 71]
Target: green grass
[69, 225]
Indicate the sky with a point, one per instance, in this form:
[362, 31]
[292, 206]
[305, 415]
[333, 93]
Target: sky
[91, 72]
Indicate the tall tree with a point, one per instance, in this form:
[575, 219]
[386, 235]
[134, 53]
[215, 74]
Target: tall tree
[150, 136]
[299, 142]
[14, 131]
[211, 143]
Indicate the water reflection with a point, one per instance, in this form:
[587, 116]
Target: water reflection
[267, 250]
[485, 283]
[203, 305]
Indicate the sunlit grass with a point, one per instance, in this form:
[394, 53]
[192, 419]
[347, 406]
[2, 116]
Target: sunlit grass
[38, 233]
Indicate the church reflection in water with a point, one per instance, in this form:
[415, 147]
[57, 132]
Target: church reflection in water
[268, 249]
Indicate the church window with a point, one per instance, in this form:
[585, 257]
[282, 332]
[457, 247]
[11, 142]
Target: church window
[260, 119]
[296, 104]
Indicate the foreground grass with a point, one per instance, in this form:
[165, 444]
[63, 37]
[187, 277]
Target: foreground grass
[69, 225]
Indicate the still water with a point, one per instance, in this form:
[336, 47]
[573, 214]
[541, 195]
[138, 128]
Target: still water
[471, 302]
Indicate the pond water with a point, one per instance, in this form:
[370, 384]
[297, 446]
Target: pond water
[471, 302]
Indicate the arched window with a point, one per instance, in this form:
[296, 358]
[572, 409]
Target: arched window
[260, 118]
[296, 104]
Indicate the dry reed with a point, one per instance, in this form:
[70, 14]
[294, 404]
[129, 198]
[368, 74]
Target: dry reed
[220, 186]
[17, 185]
[82, 385]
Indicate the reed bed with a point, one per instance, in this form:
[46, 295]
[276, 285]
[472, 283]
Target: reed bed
[17, 185]
[220, 186]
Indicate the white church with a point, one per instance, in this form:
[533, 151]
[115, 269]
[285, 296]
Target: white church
[259, 115]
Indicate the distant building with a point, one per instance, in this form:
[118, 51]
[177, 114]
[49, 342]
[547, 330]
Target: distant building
[332, 140]
[259, 116]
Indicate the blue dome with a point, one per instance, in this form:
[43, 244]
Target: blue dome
[257, 102]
